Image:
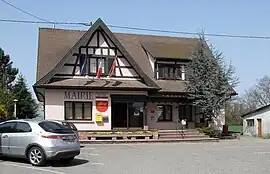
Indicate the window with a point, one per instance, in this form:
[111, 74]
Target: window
[102, 65]
[50, 126]
[78, 110]
[70, 125]
[94, 64]
[23, 127]
[164, 112]
[250, 122]
[161, 72]
[68, 111]
[185, 111]
[8, 127]
[170, 71]
[83, 64]
[179, 73]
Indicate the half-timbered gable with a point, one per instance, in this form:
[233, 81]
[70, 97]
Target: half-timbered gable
[97, 50]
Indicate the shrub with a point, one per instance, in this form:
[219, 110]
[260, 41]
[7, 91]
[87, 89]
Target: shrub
[3, 111]
[267, 136]
[209, 131]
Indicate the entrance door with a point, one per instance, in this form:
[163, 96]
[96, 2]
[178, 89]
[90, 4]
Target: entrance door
[119, 114]
[135, 115]
[259, 127]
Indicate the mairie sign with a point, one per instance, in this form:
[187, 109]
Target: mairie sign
[78, 95]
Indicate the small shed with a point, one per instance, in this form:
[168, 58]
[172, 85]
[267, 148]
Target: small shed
[257, 122]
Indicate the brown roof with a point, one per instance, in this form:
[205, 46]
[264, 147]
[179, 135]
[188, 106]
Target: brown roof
[79, 82]
[172, 85]
[55, 43]
[179, 49]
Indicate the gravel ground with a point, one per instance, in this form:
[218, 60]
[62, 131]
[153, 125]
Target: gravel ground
[244, 156]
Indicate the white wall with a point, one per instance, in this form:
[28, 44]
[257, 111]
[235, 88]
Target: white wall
[151, 60]
[264, 115]
[54, 108]
[219, 121]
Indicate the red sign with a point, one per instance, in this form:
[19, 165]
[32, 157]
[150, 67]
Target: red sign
[102, 106]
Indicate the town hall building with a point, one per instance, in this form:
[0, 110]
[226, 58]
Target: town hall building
[101, 80]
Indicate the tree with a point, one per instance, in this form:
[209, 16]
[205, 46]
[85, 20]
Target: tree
[26, 105]
[258, 95]
[6, 100]
[210, 79]
[233, 111]
[7, 72]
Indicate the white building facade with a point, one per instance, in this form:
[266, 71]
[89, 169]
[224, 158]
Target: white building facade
[142, 83]
[257, 122]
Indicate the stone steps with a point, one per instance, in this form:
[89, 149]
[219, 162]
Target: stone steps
[173, 130]
[180, 136]
[180, 133]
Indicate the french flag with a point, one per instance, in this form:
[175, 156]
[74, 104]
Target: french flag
[113, 67]
[99, 71]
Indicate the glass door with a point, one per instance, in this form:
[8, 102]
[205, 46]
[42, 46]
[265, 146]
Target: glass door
[136, 115]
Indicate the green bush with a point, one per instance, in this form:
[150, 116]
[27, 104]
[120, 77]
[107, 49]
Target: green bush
[267, 136]
[209, 131]
[3, 111]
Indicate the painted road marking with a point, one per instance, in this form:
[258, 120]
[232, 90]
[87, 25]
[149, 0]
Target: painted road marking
[93, 154]
[261, 152]
[236, 147]
[101, 164]
[33, 168]
[88, 148]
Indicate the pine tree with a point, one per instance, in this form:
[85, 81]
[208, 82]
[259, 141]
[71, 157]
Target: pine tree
[7, 72]
[210, 80]
[26, 105]
[6, 99]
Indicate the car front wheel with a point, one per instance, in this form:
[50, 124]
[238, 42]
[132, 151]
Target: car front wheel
[36, 156]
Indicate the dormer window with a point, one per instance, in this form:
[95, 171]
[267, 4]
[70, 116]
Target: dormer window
[170, 71]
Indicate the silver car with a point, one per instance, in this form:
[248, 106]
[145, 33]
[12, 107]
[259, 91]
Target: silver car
[38, 141]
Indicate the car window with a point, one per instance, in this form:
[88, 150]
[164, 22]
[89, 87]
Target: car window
[70, 125]
[8, 127]
[50, 126]
[23, 127]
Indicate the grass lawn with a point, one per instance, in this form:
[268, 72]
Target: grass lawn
[236, 128]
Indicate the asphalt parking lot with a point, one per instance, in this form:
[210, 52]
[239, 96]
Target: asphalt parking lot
[248, 155]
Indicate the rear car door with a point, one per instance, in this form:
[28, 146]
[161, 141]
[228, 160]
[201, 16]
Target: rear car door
[20, 139]
[6, 130]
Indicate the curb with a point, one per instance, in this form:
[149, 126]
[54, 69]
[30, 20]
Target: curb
[149, 141]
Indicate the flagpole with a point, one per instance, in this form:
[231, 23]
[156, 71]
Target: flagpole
[99, 71]
[113, 67]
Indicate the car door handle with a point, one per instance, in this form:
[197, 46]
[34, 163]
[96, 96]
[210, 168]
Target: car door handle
[5, 136]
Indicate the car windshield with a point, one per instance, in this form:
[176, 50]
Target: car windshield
[53, 127]
[71, 125]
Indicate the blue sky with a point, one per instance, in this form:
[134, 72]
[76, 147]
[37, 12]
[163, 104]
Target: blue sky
[249, 17]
